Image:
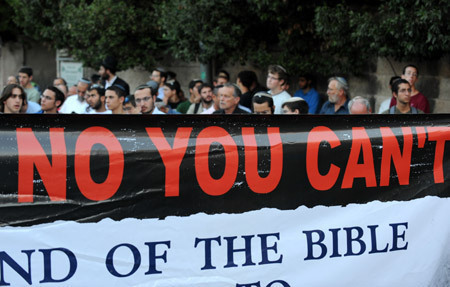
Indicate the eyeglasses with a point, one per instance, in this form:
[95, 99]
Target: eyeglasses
[144, 99]
[48, 98]
[411, 74]
[272, 78]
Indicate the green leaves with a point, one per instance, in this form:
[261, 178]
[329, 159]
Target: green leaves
[319, 36]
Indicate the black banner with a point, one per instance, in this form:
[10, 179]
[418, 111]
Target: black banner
[85, 168]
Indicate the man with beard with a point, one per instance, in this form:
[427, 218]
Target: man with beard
[76, 104]
[107, 72]
[308, 93]
[51, 99]
[95, 97]
[337, 92]
[206, 102]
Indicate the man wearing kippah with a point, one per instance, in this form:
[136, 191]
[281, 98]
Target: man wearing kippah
[337, 92]
[107, 72]
[277, 78]
[76, 104]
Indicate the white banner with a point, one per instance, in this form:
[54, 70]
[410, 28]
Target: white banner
[375, 244]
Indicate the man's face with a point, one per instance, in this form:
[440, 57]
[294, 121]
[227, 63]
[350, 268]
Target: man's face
[48, 101]
[129, 109]
[24, 79]
[57, 82]
[112, 100]
[303, 83]
[81, 90]
[94, 100]
[221, 81]
[334, 94]
[404, 94]
[262, 109]
[102, 73]
[14, 103]
[156, 76]
[410, 75]
[206, 94]
[227, 100]
[273, 81]
[288, 111]
[144, 101]
[358, 108]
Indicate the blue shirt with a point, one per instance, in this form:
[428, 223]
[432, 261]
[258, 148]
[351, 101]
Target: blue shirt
[312, 98]
[328, 109]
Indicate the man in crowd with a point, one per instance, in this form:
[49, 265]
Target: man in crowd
[248, 83]
[401, 91]
[262, 103]
[206, 94]
[159, 75]
[295, 106]
[308, 93]
[129, 106]
[114, 98]
[25, 78]
[51, 99]
[418, 100]
[359, 106]
[277, 78]
[222, 78]
[107, 72]
[145, 98]
[95, 98]
[76, 104]
[229, 96]
[337, 92]
[12, 99]
[193, 98]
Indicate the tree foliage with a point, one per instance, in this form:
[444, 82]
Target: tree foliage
[318, 36]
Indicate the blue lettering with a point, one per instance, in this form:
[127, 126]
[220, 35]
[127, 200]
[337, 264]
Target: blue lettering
[247, 249]
[208, 264]
[153, 256]
[334, 233]
[396, 236]
[265, 249]
[350, 241]
[110, 260]
[283, 283]
[310, 243]
[47, 253]
[256, 284]
[5, 258]
[373, 236]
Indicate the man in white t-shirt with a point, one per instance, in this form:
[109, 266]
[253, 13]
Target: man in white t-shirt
[76, 104]
[277, 78]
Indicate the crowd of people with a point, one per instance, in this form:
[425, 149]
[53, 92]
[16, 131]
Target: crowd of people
[106, 93]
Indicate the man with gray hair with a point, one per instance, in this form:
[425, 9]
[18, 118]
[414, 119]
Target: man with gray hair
[337, 92]
[359, 106]
[229, 97]
[76, 104]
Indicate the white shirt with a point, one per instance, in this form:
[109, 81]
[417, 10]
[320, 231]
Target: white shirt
[156, 111]
[91, 111]
[209, 110]
[73, 105]
[109, 83]
[278, 101]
